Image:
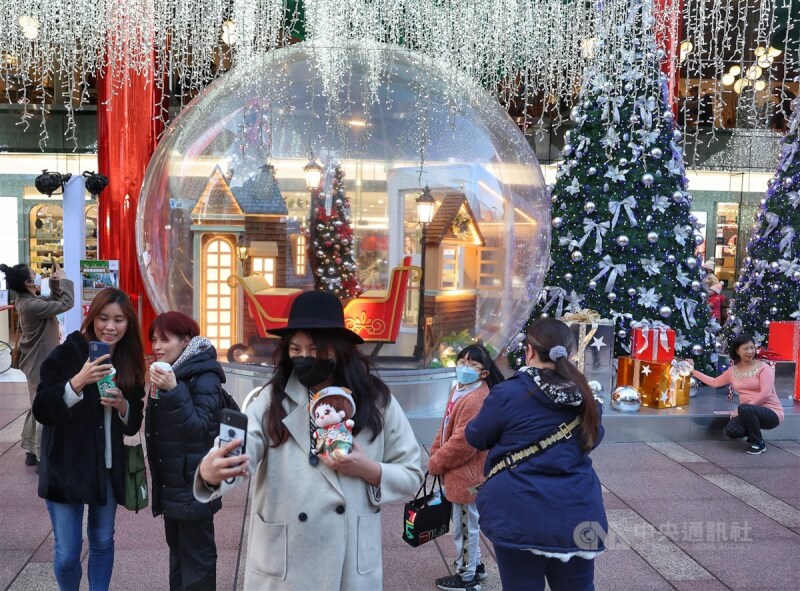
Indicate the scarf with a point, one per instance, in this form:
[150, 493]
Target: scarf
[555, 387]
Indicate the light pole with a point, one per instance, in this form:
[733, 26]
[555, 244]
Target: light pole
[426, 206]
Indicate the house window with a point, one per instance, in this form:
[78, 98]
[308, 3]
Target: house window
[300, 256]
[219, 263]
[264, 266]
[490, 269]
[450, 267]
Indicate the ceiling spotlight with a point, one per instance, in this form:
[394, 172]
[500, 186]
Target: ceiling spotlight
[741, 84]
[48, 182]
[728, 79]
[735, 70]
[754, 72]
[773, 52]
[760, 51]
[764, 61]
[95, 182]
[760, 85]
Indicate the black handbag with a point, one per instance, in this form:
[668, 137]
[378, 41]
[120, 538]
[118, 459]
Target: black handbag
[426, 516]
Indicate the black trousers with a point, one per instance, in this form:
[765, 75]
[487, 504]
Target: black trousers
[749, 422]
[192, 554]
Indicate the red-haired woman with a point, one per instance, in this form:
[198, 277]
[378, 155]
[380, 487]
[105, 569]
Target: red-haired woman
[545, 516]
[82, 459]
[181, 424]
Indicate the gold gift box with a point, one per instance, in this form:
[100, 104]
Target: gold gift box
[659, 386]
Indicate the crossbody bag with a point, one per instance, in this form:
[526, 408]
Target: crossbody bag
[515, 458]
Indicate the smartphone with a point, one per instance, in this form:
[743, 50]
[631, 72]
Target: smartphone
[97, 349]
[233, 425]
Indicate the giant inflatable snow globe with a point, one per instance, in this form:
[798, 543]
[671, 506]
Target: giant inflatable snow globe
[338, 169]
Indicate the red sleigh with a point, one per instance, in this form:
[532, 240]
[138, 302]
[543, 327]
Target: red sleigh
[374, 315]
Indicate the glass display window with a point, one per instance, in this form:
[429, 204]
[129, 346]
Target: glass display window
[726, 241]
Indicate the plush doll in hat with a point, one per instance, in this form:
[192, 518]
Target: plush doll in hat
[332, 409]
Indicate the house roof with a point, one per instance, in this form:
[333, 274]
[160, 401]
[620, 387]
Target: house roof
[441, 227]
[260, 194]
[217, 201]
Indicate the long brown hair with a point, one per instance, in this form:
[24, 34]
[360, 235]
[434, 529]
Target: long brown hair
[370, 394]
[128, 355]
[543, 335]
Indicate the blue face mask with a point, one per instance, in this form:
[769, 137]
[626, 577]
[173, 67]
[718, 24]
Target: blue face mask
[467, 375]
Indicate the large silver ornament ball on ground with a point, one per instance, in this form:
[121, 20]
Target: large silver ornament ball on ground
[693, 385]
[626, 399]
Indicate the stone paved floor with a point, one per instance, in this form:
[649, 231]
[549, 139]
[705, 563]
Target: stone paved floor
[697, 516]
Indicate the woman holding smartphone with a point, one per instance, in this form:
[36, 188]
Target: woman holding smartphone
[83, 459]
[181, 424]
[315, 521]
[39, 326]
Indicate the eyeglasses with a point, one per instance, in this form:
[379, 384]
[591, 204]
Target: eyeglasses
[463, 363]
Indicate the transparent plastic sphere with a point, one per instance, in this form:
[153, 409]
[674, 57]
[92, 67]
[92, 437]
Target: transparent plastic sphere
[226, 197]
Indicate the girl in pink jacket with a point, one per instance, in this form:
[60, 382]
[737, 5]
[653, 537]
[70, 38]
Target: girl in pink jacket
[461, 466]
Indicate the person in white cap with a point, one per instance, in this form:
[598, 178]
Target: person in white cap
[710, 279]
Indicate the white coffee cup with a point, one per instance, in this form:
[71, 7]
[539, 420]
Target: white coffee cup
[162, 365]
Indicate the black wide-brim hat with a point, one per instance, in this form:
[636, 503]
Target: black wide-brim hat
[317, 310]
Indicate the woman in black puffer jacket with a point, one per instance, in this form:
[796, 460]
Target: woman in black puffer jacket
[181, 422]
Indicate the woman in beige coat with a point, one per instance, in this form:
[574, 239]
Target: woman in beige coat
[37, 320]
[315, 521]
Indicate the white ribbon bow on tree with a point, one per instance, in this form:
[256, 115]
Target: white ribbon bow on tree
[687, 308]
[772, 222]
[557, 295]
[760, 269]
[610, 103]
[590, 226]
[607, 267]
[787, 237]
[753, 304]
[788, 267]
[629, 203]
[794, 198]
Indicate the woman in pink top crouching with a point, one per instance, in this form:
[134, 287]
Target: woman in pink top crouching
[759, 406]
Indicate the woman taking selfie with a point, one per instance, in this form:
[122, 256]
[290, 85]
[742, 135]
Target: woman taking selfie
[181, 423]
[754, 381]
[545, 516]
[82, 459]
[315, 521]
[39, 326]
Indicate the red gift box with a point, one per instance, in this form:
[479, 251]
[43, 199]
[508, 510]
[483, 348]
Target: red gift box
[650, 343]
[784, 340]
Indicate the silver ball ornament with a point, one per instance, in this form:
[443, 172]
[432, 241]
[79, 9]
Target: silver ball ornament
[631, 291]
[773, 310]
[677, 196]
[766, 323]
[719, 347]
[647, 179]
[698, 239]
[623, 240]
[576, 256]
[652, 237]
[626, 399]
[593, 285]
[665, 311]
[697, 349]
[775, 287]
[796, 276]
[677, 135]
[567, 149]
[605, 188]
[554, 199]
[671, 258]
[592, 170]
[693, 385]
[596, 387]
[621, 334]
[691, 262]
[574, 113]
[623, 162]
[788, 181]
[696, 285]
[656, 153]
[612, 296]
[774, 267]
[557, 222]
[648, 219]
[568, 277]
[589, 207]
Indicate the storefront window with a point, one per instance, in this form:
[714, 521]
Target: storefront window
[725, 242]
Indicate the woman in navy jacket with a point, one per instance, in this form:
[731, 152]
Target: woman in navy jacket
[545, 516]
[181, 423]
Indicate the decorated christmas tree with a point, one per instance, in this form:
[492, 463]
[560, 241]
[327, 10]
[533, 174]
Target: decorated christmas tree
[331, 248]
[623, 239]
[769, 286]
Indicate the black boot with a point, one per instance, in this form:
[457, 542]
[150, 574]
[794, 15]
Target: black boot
[30, 459]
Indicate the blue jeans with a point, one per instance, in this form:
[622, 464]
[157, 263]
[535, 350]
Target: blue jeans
[67, 521]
